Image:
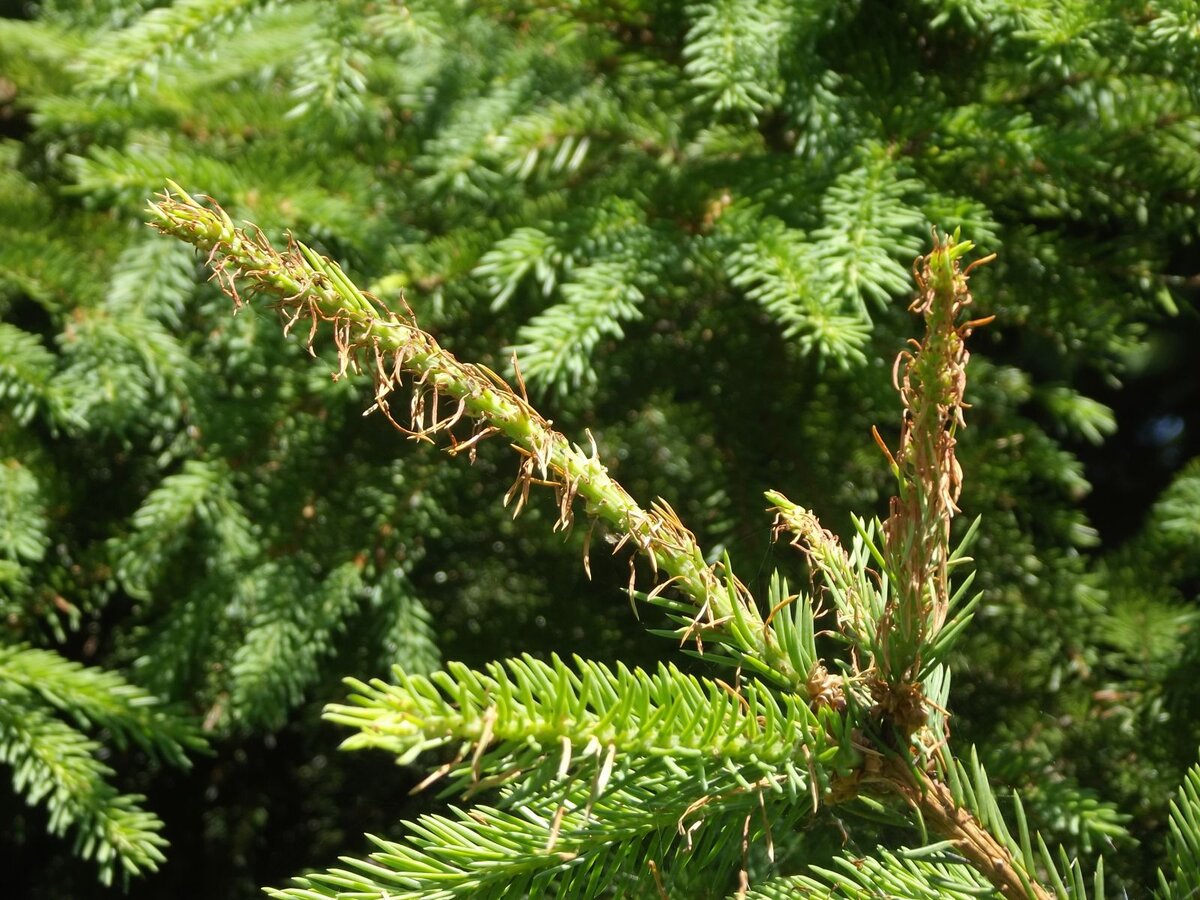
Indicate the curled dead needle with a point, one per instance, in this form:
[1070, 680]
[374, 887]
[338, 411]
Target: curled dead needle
[884, 447]
[979, 262]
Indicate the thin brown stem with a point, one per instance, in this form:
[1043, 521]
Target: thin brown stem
[989, 857]
[951, 821]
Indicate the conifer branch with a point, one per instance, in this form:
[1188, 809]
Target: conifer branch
[897, 623]
[733, 55]
[931, 380]
[868, 229]
[534, 722]
[56, 764]
[983, 840]
[26, 368]
[116, 64]
[570, 843]
[648, 159]
[778, 271]
[102, 699]
[523, 721]
[1183, 844]
[310, 290]
[934, 872]
[24, 534]
[557, 344]
[287, 638]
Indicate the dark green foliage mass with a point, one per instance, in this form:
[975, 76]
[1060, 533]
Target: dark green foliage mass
[693, 225]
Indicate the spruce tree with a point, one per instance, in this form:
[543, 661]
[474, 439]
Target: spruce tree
[693, 224]
[631, 782]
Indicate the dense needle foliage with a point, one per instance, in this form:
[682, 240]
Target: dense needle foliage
[604, 781]
[694, 225]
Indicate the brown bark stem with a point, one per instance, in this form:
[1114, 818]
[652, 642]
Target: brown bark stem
[990, 857]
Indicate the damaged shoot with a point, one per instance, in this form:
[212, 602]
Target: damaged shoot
[589, 761]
